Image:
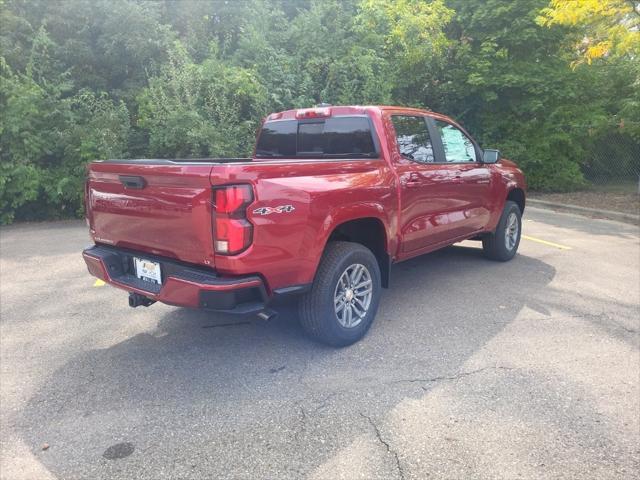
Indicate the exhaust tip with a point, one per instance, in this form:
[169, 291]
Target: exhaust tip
[266, 315]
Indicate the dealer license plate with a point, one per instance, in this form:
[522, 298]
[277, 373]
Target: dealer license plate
[147, 270]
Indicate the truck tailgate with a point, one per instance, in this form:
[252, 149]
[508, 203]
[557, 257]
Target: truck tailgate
[163, 208]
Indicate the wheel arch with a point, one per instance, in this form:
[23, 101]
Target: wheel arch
[371, 233]
[517, 195]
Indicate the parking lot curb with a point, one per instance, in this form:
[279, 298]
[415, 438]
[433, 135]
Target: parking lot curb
[610, 214]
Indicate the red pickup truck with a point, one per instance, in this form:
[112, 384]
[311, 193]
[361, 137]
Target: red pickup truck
[333, 196]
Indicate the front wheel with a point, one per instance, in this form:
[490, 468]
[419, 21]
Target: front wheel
[344, 298]
[502, 244]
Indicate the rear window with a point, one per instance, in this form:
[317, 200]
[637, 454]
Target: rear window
[331, 137]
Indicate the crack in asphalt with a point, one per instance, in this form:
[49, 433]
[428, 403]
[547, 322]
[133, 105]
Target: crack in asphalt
[386, 445]
[301, 423]
[600, 319]
[230, 324]
[604, 318]
[325, 401]
[304, 416]
[451, 377]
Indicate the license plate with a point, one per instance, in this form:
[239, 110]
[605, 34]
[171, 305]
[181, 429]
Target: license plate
[148, 270]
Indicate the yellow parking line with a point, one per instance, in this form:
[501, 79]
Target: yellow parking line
[99, 283]
[545, 242]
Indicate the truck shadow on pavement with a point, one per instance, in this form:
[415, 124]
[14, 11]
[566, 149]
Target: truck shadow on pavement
[209, 396]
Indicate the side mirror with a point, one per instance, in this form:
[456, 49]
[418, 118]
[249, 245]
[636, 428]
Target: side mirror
[490, 156]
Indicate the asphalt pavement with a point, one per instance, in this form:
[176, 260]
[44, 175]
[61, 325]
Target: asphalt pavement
[472, 369]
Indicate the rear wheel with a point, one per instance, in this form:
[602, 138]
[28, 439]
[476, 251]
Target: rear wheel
[502, 244]
[344, 298]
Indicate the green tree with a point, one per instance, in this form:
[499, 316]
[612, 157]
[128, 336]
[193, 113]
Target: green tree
[85, 79]
[611, 28]
[411, 36]
[508, 79]
[47, 136]
[199, 110]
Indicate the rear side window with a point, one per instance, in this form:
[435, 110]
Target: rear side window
[333, 137]
[278, 139]
[413, 138]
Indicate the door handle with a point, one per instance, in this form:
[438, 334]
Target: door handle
[132, 181]
[413, 181]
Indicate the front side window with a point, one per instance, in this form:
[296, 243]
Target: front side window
[334, 137]
[457, 146]
[413, 138]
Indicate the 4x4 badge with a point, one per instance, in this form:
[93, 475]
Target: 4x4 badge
[270, 210]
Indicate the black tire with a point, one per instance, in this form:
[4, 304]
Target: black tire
[316, 308]
[494, 244]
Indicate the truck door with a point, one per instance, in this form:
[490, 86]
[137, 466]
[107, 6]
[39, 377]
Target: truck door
[431, 203]
[472, 178]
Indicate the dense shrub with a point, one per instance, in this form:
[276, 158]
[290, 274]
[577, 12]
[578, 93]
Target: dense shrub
[200, 110]
[87, 79]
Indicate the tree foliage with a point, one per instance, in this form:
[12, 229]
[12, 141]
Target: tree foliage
[200, 110]
[610, 27]
[87, 79]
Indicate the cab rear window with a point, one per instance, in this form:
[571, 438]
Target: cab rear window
[334, 137]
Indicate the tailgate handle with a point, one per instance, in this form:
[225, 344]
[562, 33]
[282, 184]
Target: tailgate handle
[132, 181]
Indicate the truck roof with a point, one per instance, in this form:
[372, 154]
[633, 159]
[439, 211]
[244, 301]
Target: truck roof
[331, 110]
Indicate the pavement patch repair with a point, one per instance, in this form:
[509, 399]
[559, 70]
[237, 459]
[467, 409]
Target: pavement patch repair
[472, 369]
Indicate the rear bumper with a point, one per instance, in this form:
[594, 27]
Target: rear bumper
[182, 284]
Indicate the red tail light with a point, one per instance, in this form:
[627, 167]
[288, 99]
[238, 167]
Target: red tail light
[232, 232]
